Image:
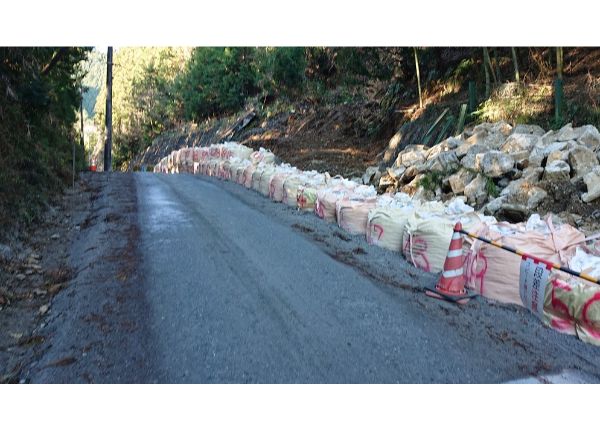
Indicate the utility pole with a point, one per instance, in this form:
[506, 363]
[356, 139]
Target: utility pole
[82, 138]
[108, 143]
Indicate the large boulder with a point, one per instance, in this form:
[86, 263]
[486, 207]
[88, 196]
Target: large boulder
[542, 150]
[413, 185]
[476, 190]
[519, 146]
[496, 163]
[436, 150]
[412, 154]
[443, 162]
[557, 171]
[589, 136]
[459, 180]
[500, 127]
[567, 133]
[494, 205]
[371, 176]
[592, 180]
[409, 174]
[471, 162]
[491, 138]
[532, 174]
[555, 146]
[528, 129]
[557, 155]
[467, 148]
[536, 156]
[582, 160]
[453, 142]
[517, 142]
[524, 192]
[521, 159]
[386, 181]
[396, 172]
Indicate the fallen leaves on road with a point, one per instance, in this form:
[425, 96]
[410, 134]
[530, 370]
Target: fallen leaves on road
[66, 361]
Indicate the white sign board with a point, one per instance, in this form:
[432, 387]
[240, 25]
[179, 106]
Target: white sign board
[532, 285]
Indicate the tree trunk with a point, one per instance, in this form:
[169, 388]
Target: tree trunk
[82, 140]
[108, 144]
[488, 62]
[418, 78]
[559, 63]
[516, 64]
[497, 71]
[487, 76]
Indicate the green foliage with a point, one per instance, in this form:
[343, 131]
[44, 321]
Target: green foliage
[216, 81]
[432, 179]
[95, 77]
[491, 188]
[288, 67]
[145, 98]
[39, 97]
[373, 63]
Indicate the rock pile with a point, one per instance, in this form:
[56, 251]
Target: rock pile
[499, 168]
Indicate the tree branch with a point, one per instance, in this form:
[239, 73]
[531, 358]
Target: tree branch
[55, 59]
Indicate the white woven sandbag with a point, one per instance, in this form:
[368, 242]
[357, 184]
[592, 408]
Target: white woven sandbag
[290, 189]
[386, 226]
[427, 239]
[494, 272]
[213, 167]
[585, 262]
[325, 206]
[352, 213]
[243, 152]
[262, 156]
[256, 175]
[238, 174]
[247, 176]
[306, 197]
[221, 169]
[233, 165]
[277, 180]
[264, 186]
[214, 151]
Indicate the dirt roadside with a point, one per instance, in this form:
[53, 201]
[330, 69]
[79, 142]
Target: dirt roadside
[86, 249]
[33, 271]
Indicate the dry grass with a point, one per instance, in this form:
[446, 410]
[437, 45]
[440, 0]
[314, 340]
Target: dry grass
[518, 103]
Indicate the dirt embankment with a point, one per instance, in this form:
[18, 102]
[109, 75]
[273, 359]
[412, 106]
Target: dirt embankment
[33, 269]
[338, 139]
[69, 294]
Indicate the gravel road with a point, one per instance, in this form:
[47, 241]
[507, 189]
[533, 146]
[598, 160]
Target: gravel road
[210, 282]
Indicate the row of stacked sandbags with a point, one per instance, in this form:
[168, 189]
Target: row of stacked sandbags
[422, 231]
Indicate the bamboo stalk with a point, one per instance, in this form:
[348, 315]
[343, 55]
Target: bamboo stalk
[418, 78]
[487, 76]
[516, 64]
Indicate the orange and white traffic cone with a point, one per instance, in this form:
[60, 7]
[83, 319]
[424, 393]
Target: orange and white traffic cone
[451, 285]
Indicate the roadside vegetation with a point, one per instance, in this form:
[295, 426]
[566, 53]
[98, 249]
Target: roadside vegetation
[39, 101]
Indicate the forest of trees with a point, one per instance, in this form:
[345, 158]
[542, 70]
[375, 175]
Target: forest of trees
[39, 100]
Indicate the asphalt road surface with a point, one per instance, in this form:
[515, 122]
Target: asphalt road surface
[231, 287]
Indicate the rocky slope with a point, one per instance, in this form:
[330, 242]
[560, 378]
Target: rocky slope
[507, 171]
